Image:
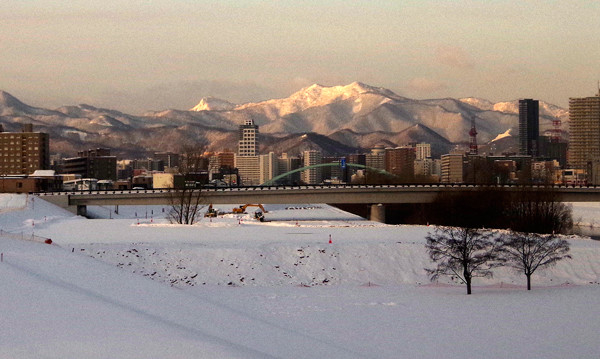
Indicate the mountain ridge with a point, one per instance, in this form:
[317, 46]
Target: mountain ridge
[354, 116]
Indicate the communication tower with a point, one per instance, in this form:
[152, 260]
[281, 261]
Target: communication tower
[473, 142]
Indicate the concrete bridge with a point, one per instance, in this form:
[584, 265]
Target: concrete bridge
[375, 195]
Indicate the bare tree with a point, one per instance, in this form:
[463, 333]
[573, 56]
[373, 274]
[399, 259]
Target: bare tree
[463, 253]
[526, 252]
[539, 211]
[187, 195]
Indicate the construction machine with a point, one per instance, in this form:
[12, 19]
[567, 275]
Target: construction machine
[211, 212]
[242, 209]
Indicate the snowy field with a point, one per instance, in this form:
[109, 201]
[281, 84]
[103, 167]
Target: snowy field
[130, 285]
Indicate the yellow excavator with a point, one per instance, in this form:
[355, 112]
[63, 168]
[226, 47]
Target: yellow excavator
[258, 214]
[242, 209]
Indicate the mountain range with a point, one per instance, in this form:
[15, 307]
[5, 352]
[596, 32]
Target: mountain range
[335, 120]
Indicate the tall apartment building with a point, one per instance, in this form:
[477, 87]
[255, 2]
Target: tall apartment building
[169, 159]
[529, 127]
[335, 171]
[269, 167]
[452, 168]
[400, 161]
[286, 164]
[219, 163]
[376, 158]
[22, 153]
[423, 167]
[247, 161]
[248, 170]
[422, 151]
[313, 175]
[584, 143]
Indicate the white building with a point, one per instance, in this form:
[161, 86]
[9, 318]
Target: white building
[269, 167]
[422, 151]
[313, 175]
[247, 160]
[248, 170]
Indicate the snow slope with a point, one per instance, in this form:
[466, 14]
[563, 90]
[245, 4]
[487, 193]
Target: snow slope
[365, 295]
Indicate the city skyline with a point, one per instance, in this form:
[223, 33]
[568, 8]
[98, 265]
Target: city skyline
[138, 56]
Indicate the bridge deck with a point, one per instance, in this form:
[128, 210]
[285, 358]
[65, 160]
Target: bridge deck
[367, 194]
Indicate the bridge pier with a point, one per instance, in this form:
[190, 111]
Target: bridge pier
[377, 213]
[82, 210]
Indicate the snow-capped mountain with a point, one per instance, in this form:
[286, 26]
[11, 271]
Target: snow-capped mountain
[355, 116]
[213, 104]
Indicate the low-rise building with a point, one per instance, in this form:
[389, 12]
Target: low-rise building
[167, 180]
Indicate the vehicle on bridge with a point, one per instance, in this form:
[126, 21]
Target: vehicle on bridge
[81, 184]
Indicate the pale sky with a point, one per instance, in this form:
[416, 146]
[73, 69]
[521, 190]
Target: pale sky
[134, 55]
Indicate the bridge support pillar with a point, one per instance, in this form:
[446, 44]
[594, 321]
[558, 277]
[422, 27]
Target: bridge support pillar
[377, 213]
[82, 210]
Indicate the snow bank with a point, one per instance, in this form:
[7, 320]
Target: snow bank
[233, 287]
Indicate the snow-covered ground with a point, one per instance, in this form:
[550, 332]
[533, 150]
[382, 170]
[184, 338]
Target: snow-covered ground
[131, 285]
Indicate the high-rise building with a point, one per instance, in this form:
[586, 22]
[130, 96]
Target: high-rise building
[247, 161]
[220, 163]
[169, 159]
[248, 139]
[452, 168]
[422, 151]
[269, 167]
[584, 142]
[400, 161]
[248, 170]
[287, 164]
[376, 158]
[22, 153]
[333, 172]
[313, 175]
[529, 127]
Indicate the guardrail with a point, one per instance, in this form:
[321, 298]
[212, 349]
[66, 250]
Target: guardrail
[323, 186]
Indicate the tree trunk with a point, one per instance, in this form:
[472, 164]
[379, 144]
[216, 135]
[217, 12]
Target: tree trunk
[467, 276]
[528, 281]
[468, 280]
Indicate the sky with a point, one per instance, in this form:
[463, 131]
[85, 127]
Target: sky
[137, 56]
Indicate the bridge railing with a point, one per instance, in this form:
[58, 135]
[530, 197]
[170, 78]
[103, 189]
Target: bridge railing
[324, 186]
